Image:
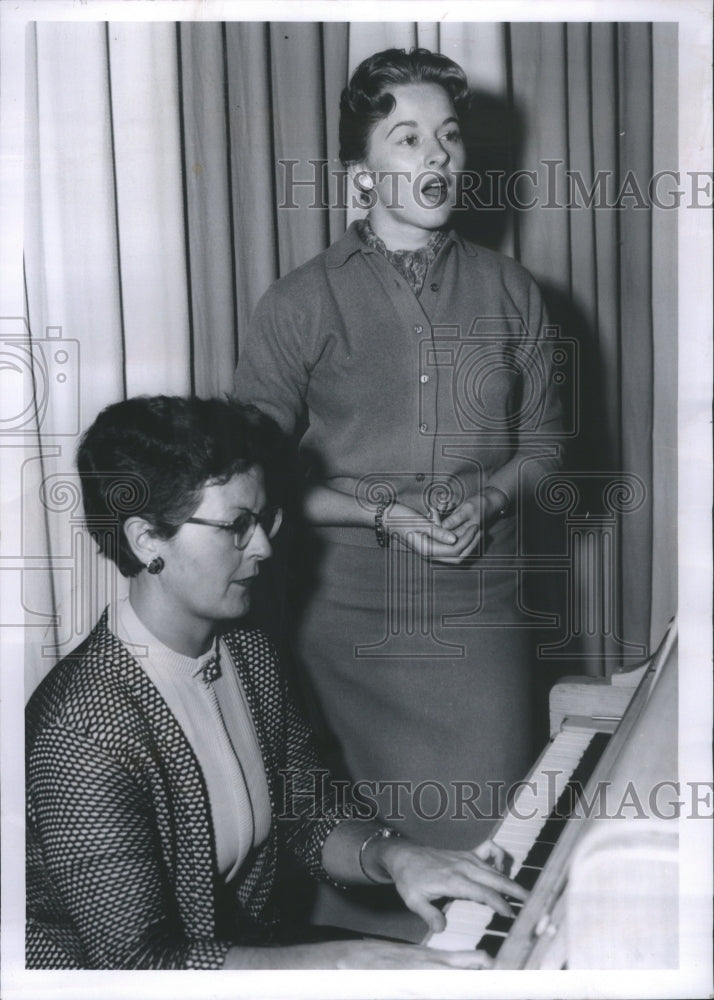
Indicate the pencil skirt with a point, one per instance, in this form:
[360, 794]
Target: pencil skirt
[419, 681]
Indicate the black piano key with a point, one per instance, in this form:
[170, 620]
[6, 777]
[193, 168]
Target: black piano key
[500, 923]
[491, 944]
[538, 854]
[563, 808]
[548, 840]
[572, 791]
[527, 877]
[578, 779]
[551, 831]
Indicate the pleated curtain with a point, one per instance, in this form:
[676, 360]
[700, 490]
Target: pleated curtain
[157, 212]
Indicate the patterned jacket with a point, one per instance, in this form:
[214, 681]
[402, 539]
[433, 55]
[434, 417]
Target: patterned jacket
[121, 864]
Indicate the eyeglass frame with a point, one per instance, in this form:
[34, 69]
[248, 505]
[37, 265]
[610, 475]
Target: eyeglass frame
[256, 519]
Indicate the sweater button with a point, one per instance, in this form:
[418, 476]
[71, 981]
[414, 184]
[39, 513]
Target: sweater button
[423, 378]
[423, 428]
[434, 286]
[418, 328]
[420, 477]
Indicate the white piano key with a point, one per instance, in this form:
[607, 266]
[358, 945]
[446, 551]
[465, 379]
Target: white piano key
[466, 921]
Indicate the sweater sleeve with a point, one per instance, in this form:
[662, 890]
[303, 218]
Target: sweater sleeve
[272, 371]
[537, 413]
[310, 810]
[94, 829]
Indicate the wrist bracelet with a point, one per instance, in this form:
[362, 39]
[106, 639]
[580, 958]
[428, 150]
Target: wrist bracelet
[379, 529]
[383, 832]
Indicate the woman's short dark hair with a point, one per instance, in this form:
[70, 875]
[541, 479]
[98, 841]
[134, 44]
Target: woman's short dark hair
[152, 456]
[366, 99]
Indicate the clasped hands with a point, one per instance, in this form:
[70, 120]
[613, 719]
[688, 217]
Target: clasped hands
[446, 539]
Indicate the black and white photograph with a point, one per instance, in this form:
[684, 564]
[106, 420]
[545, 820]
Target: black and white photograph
[355, 458]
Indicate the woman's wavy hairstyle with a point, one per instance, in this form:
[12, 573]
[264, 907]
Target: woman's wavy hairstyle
[366, 99]
[152, 456]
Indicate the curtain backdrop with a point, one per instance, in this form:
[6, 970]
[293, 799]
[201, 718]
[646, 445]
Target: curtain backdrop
[162, 161]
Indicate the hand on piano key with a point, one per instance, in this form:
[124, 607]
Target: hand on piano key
[494, 855]
[422, 875]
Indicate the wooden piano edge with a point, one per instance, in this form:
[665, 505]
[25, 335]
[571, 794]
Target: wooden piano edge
[603, 697]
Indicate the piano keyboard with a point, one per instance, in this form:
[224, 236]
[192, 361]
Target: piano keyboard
[528, 833]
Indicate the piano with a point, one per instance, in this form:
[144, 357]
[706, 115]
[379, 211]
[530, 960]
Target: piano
[592, 833]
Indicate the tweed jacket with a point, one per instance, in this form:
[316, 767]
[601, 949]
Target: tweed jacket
[121, 863]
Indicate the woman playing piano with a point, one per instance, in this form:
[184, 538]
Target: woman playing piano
[159, 815]
[419, 362]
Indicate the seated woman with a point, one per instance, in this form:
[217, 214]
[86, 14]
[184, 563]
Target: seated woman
[158, 817]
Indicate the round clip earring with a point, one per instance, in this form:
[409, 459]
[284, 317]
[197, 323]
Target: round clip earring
[155, 566]
[364, 182]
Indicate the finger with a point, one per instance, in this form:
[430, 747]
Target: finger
[455, 519]
[431, 915]
[435, 532]
[485, 885]
[493, 881]
[441, 534]
[456, 555]
[465, 531]
[492, 854]
[464, 535]
[510, 888]
[468, 543]
[488, 876]
[445, 530]
[465, 512]
[480, 893]
[487, 850]
[462, 515]
[499, 904]
[442, 552]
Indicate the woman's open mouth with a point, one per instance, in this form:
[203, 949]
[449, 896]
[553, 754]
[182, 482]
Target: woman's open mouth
[435, 190]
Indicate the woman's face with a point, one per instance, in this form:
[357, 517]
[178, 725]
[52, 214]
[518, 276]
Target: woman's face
[412, 157]
[206, 579]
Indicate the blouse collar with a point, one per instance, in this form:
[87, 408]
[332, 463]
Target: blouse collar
[129, 628]
[411, 264]
[339, 252]
[369, 237]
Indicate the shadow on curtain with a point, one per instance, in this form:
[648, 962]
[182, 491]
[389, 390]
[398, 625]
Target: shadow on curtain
[163, 162]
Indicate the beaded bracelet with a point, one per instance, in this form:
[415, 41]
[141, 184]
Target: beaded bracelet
[379, 529]
[384, 832]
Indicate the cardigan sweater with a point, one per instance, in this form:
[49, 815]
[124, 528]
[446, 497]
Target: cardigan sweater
[214, 716]
[449, 392]
[121, 862]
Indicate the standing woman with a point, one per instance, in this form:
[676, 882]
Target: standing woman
[421, 363]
